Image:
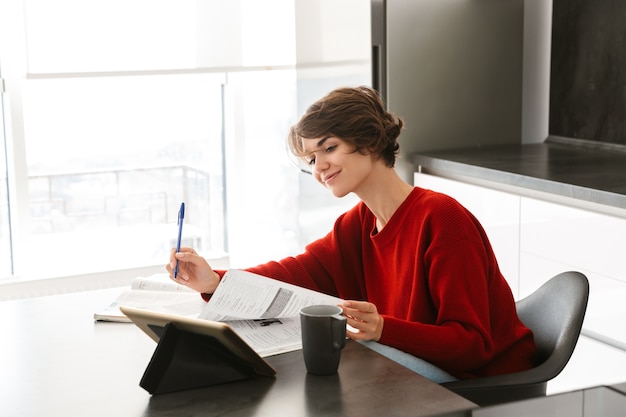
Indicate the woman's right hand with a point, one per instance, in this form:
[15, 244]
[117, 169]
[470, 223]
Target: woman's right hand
[193, 271]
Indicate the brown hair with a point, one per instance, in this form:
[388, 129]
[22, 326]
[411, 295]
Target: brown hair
[355, 115]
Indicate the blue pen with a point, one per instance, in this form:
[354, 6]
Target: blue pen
[181, 216]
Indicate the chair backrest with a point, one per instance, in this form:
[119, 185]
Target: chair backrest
[555, 314]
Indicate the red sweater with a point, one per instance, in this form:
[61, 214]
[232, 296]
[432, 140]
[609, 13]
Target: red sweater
[432, 275]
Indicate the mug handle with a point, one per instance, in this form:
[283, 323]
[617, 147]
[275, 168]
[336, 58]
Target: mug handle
[338, 328]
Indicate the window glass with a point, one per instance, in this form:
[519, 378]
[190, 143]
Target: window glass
[122, 124]
[130, 108]
[110, 159]
[5, 231]
[262, 180]
[110, 35]
[67, 36]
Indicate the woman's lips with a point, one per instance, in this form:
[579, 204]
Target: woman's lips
[329, 178]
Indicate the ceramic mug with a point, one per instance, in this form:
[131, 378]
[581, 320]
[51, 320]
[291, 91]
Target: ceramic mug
[323, 337]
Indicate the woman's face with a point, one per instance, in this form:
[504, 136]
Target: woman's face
[336, 165]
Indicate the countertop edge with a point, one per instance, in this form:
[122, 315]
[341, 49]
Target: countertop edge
[583, 197]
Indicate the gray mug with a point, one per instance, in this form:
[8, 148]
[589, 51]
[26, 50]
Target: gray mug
[323, 337]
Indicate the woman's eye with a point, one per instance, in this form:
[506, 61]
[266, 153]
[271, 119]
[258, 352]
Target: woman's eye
[328, 149]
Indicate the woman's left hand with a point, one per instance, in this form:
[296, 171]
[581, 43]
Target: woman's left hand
[363, 316]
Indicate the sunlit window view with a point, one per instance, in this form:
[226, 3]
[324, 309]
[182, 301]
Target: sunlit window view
[110, 159]
[183, 101]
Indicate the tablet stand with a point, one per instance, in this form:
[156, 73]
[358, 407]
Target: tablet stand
[184, 360]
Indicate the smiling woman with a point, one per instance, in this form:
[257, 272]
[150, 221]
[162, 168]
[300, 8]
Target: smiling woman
[417, 273]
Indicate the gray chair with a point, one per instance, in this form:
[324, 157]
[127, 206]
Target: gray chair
[555, 314]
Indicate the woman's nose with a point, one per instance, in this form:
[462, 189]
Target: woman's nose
[320, 164]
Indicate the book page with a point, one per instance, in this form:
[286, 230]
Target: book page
[184, 303]
[158, 282]
[112, 313]
[269, 336]
[181, 303]
[244, 295]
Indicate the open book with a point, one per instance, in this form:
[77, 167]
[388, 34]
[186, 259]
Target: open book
[156, 292]
[264, 312]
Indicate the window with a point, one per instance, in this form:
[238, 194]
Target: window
[123, 110]
[5, 229]
[109, 161]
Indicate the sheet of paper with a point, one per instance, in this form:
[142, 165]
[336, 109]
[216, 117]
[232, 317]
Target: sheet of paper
[243, 295]
[270, 336]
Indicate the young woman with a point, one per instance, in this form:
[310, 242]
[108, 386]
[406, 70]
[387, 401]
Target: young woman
[420, 276]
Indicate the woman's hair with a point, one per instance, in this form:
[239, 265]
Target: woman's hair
[355, 115]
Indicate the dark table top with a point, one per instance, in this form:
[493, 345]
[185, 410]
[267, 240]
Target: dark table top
[56, 361]
[580, 173]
